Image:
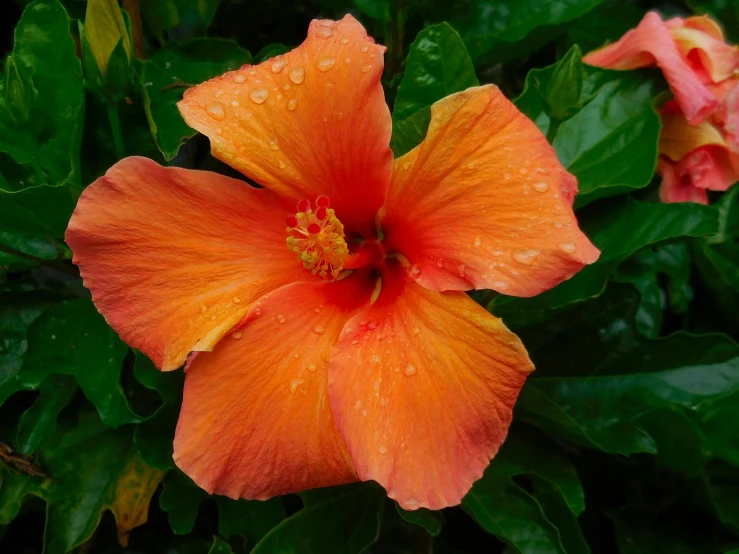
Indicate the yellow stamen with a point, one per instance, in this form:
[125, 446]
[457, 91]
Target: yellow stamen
[319, 243]
[376, 292]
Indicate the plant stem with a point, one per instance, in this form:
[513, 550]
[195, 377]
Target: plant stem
[115, 128]
[63, 268]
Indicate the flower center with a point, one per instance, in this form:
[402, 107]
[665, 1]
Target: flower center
[317, 237]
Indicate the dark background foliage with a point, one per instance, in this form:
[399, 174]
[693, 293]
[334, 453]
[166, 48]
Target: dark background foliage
[625, 438]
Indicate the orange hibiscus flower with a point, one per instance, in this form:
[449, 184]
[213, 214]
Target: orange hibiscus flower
[338, 346]
[699, 142]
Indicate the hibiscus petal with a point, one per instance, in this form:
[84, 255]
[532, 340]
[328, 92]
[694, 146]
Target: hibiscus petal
[483, 202]
[700, 41]
[173, 257]
[422, 386]
[675, 187]
[678, 137]
[255, 419]
[649, 44]
[312, 122]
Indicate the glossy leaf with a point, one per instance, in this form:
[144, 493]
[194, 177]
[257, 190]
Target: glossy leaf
[52, 92]
[38, 423]
[430, 520]
[437, 66]
[92, 469]
[174, 68]
[343, 520]
[71, 338]
[607, 136]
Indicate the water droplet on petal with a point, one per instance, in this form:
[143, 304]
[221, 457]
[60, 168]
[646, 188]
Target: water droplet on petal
[259, 95]
[292, 104]
[409, 370]
[541, 171]
[236, 299]
[478, 242]
[499, 285]
[541, 186]
[568, 247]
[273, 144]
[523, 171]
[344, 40]
[203, 308]
[319, 329]
[297, 75]
[411, 504]
[237, 335]
[347, 61]
[295, 383]
[257, 310]
[440, 262]
[364, 48]
[216, 111]
[324, 64]
[366, 68]
[240, 78]
[312, 367]
[324, 33]
[281, 164]
[525, 257]
[506, 176]
[414, 272]
[280, 318]
[278, 65]
[382, 450]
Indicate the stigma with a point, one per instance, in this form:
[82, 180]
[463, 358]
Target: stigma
[317, 237]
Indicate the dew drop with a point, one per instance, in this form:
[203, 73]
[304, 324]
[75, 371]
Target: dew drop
[259, 95]
[236, 299]
[344, 40]
[312, 367]
[525, 257]
[295, 383]
[203, 308]
[278, 65]
[347, 61]
[237, 335]
[499, 285]
[568, 247]
[541, 186]
[240, 78]
[257, 310]
[523, 171]
[364, 48]
[273, 144]
[280, 318]
[216, 111]
[318, 329]
[325, 64]
[409, 370]
[281, 164]
[366, 68]
[414, 272]
[296, 356]
[506, 176]
[297, 75]
[478, 242]
[440, 262]
[253, 72]
[292, 104]
[382, 450]
[541, 171]
[411, 504]
[324, 33]
[406, 165]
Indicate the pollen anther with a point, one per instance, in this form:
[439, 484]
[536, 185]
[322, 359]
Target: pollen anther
[318, 238]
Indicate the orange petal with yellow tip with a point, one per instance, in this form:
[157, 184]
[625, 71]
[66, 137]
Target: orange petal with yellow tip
[484, 203]
[678, 137]
[173, 257]
[677, 186]
[422, 386]
[310, 122]
[255, 419]
[652, 44]
[701, 43]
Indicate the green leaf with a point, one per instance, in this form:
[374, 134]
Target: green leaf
[181, 499]
[607, 135]
[170, 71]
[619, 230]
[507, 510]
[437, 65]
[500, 30]
[220, 547]
[194, 15]
[606, 23]
[71, 338]
[40, 210]
[430, 520]
[726, 12]
[38, 423]
[45, 61]
[342, 520]
[92, 469]
[155, 434]
[250, 519]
